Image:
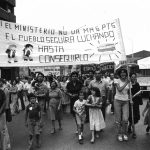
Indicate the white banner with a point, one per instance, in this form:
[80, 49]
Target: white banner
[23, 45]
[49, 70]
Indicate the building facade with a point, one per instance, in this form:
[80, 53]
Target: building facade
[7, 13]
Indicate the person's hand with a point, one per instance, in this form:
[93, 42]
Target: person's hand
[128, 80]
[58, 107]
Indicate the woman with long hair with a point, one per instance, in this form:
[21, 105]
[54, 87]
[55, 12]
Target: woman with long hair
[121, 104]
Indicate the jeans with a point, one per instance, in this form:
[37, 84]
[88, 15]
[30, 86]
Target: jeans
[121, 115]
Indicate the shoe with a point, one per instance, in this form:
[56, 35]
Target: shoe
[80, 141]
[92, 141]
[134, 136]
[60, 128]
[53, 131]
[147, 129]
[125, 137]
[120, 139]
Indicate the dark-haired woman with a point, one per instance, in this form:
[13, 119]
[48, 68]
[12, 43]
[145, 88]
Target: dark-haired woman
[55, 98]
[97, 123]
[137, 101]
[121, 104]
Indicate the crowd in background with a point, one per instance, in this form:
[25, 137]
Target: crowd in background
[88, 97]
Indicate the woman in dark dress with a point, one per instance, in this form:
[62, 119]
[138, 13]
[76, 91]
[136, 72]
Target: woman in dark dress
[137, 101]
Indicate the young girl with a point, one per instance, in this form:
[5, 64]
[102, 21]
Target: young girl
[147, 116]
[97, 123]
[79, 109]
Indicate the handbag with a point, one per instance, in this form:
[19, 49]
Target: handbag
[8, 115]
[108, 109]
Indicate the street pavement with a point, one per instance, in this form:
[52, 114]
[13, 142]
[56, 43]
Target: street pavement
[66, 139]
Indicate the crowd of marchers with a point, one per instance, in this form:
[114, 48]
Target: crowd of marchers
[89, 97]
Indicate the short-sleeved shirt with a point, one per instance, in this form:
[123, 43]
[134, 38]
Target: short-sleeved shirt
[102, 85]
[33, 111]
[123, 95]
[80, 106]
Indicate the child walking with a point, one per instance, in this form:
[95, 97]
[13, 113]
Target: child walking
[79, 109]
[147, 116]
[97, 122]
[33, 119]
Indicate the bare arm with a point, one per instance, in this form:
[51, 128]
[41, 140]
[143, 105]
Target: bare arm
[120, 88]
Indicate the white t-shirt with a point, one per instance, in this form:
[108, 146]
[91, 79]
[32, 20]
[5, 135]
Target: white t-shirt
[80, 106]
[28, 87]
[123, 95]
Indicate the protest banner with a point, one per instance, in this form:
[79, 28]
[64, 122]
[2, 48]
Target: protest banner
[103, 67]
[24, 45]
[48, 70]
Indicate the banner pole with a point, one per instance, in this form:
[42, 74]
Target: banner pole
[131, 102]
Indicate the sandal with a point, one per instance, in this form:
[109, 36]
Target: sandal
[120, 138]
[53, 131]
[92, 141]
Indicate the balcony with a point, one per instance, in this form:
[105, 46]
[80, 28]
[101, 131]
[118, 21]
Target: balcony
[7, 16]
[11, 2]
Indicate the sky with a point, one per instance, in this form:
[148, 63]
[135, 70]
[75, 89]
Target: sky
[133, 15]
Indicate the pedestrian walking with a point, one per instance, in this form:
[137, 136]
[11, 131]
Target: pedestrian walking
[121, 104]
[33, 120]
[65, 97]
[97, 122]
[147, 116]
[104, 90]
[137, 101]
[55, 102]
[79, 109]
[73, 88]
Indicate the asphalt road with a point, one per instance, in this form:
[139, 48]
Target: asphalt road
[67, 139]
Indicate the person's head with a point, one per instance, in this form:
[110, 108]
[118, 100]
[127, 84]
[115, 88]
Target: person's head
[112, 76]
[81, 95]
[74, 76]
[29, 79]
[14, 83]
[40, 77]
[28, 47]
[98, 75]
[95, 91]
[64, 79]
[17, 79]
[105, 74]
[53, 85]
[133, 77]
[32, 98]
[91, 74]
[122, 73]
